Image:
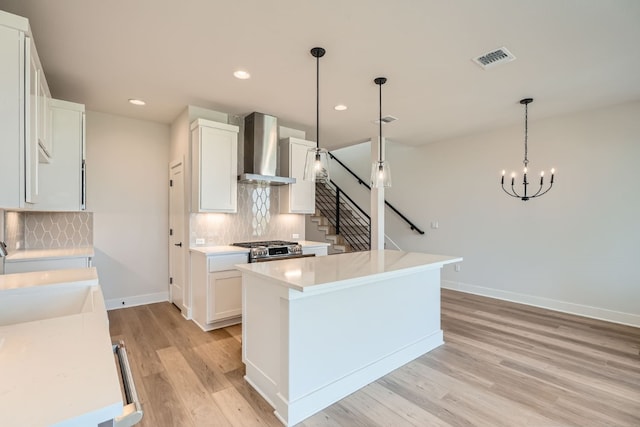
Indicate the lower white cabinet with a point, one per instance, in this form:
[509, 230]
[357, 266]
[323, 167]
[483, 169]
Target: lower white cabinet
[216, 289]
[224, 292]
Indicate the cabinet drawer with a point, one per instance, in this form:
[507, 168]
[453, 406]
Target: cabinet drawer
[226, 262]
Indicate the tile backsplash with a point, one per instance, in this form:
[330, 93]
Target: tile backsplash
[48, 230]
[258, 218]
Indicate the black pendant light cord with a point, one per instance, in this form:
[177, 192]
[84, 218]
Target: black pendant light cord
[317, 102]
[526, 103]
[380, 81]
[318, 53]
[380, 125]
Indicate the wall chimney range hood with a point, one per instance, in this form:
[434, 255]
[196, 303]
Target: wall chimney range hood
[261, 151]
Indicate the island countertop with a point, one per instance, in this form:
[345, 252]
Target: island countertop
[323, 273]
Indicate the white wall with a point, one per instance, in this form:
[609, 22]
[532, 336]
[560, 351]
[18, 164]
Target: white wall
[575, 249]
[127, 189]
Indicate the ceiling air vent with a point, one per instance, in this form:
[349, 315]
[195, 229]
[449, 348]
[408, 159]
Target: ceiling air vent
[386, 120]
[493, 58]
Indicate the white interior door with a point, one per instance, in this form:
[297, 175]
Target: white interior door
[177, 244]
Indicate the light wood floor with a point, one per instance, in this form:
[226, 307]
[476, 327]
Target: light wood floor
[503, 364]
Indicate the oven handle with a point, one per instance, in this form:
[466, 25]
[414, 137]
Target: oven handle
[132, 411]
[283, 257]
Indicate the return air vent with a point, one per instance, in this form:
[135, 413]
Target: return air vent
[493, 58]
[386, 120]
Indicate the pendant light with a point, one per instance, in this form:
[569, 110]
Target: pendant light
[316, 166]
[525, 183]
[380, 170]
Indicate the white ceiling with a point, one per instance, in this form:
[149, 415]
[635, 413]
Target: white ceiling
[571, 55]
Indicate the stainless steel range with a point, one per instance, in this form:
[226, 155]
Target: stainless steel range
[272, 250]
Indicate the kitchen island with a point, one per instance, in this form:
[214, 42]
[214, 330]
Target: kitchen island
[317, 329]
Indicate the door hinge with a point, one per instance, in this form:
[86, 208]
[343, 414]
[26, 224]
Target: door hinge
[171, 280]
[170, 183]
[171, 232]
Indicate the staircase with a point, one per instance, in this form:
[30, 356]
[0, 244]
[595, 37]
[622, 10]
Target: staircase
[344, 224]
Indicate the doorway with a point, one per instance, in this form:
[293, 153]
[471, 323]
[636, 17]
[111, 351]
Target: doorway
[177, 243]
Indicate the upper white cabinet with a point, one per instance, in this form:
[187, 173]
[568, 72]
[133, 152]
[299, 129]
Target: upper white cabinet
[45, 140]
[23, 114]
[62, 180]
[300, 197]
[214, 156]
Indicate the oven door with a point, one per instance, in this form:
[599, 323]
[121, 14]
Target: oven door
[132, 412]
[277, 258]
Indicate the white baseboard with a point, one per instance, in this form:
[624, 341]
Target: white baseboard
[551, 304]
[114, 304]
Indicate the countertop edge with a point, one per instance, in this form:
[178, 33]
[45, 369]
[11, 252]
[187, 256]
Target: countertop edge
[350, 281]
[22, 255]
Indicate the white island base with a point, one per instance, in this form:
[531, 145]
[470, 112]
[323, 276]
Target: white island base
[317, 329]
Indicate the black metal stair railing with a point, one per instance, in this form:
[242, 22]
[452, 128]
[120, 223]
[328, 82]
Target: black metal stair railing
[361, 181]
[345, 217]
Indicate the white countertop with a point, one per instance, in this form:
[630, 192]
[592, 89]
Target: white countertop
[81, 276]
[219, 250]
[311, 243]
[228, 249]
[58, 370]
[322, 273]
[56, 253]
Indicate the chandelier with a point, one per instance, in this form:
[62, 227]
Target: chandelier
[525, 194]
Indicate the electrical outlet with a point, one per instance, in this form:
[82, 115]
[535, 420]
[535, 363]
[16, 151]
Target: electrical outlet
[199, 241]
[457, 267]
[435, 225]
[295, 236]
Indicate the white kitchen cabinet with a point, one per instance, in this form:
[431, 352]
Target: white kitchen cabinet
[216, 288]
[12, 117]
[214, 155]
[224, 295]
[44, 137]
[62, 180]
[300, 197]
[21, 80]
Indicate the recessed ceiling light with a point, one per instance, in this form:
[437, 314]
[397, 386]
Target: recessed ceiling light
[340, 107]
[137, 101]
[241, 74]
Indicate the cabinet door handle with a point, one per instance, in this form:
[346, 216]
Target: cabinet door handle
[178, 244]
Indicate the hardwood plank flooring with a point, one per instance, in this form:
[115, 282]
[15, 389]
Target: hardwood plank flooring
[503, 364]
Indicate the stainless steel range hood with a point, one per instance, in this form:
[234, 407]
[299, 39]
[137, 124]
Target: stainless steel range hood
[261, 151]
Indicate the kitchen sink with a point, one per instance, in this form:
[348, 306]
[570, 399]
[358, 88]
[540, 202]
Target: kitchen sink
[45, 302]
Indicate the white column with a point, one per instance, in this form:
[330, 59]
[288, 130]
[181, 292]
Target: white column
[377, 201]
